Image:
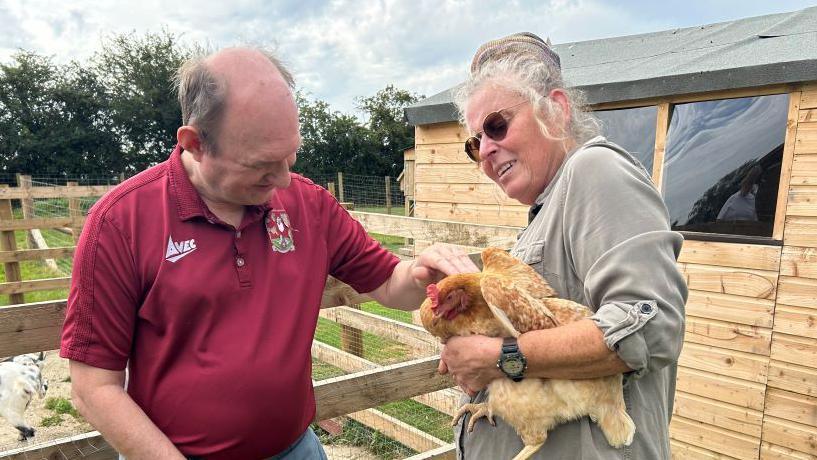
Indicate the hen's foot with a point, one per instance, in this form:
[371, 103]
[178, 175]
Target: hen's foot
[528, 451]
[477, 411]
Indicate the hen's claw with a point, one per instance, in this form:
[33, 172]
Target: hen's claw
[477, 411]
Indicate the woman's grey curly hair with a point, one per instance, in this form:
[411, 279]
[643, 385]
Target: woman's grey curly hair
[532, 77]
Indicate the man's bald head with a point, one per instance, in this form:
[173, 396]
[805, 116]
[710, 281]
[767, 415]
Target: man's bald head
[208, 85]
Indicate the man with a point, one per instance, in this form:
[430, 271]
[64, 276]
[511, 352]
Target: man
[203, 276]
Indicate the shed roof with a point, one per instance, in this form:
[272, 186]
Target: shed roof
[759, 51]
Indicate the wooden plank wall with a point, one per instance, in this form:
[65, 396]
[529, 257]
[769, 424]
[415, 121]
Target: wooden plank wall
[450, 187]
[724, 365]
[790, 417]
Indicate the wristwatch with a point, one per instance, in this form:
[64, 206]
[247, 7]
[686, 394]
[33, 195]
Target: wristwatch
[511, 361]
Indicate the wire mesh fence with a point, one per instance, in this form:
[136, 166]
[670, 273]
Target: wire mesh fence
[60, 179]
[366, 193]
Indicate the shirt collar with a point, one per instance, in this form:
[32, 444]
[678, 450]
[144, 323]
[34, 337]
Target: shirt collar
[189, 203]
[537, 204]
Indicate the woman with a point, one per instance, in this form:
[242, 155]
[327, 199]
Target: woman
[599, 234]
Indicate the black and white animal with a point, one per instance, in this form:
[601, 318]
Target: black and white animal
[20, 379]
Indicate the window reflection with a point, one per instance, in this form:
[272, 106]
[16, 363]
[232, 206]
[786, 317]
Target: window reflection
[723, 163]
[633, 129]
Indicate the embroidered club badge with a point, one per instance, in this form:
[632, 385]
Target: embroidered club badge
[279, 231]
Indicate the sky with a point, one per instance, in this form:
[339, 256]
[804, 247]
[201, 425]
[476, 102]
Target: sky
[342, 50]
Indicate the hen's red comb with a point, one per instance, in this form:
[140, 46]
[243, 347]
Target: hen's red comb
[433, 293]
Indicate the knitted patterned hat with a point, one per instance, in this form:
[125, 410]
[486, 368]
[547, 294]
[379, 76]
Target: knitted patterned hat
[519, 43]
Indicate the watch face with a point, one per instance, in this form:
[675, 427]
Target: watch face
[513, 365]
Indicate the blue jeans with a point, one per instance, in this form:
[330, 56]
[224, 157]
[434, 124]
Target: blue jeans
[307, 447]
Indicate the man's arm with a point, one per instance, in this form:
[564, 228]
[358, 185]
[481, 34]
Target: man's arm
[573, 351]
[100, 397]
[405, 288]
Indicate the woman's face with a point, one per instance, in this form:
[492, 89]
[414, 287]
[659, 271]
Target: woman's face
[524, 162]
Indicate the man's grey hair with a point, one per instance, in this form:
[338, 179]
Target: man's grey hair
[202, 94]
[532, 78]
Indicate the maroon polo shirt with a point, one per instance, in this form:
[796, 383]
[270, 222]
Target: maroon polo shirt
[214, 323]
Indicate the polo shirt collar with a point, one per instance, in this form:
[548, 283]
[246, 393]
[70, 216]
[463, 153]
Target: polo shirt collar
[189, 203]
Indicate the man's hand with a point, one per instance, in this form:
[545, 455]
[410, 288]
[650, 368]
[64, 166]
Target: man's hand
[100, 397]
[471, 360]
[439, 260]
[406, 288]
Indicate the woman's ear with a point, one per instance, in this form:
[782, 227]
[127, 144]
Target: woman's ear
[559, 97]
[190, 140]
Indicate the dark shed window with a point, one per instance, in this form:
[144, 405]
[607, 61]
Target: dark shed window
[633, 129]
[722, 164]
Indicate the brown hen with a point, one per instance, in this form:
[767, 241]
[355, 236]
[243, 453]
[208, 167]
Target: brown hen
[506, 299]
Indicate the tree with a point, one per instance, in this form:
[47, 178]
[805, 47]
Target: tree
[138, 72]
[332, 142]
[55, 120]
[387, 125]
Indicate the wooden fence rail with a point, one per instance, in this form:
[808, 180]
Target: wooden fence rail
[334, 397]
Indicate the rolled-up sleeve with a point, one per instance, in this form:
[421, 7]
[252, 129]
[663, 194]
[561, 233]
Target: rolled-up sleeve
[622, 248]
[641, 295]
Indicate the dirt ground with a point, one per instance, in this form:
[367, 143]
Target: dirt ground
[348, 453]
[56, 371]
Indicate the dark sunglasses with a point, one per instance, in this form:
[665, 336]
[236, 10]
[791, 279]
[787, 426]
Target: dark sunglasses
[494, 126]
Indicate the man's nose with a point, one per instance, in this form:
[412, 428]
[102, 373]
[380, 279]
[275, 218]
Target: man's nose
[279, 175]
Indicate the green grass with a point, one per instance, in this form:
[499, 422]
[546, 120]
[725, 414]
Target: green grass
[398, 210]
[61, 406]
[36, 269]
[386, 312]
[323, 371]
[51, 420]
[392, 243]
[421, 417]
[375, 348]
[359, 435]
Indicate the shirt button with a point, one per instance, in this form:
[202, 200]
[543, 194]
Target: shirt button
[239, 261]
[646, 308]
[238, 234]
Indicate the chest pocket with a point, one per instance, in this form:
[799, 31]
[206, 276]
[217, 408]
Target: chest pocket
[533, 255]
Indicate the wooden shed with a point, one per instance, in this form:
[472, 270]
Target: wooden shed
[720, 113]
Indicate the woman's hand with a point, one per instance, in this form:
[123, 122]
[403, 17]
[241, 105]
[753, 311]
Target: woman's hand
[471, 360]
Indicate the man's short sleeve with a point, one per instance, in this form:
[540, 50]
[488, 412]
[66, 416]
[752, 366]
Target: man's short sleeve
[356, 258]
[103, 299]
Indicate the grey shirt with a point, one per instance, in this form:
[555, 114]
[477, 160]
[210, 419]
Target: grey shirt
[602, 238]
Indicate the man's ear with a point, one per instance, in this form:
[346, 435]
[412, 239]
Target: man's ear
[190, 140]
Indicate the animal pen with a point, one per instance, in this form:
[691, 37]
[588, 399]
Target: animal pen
[708, 110]
[372, 372]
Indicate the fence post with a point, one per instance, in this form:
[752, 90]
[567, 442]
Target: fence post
[74, 211]
[9, 243]
[24, 183]
[331, 187]
[351, 339]
[341, 198]
[388, 195]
